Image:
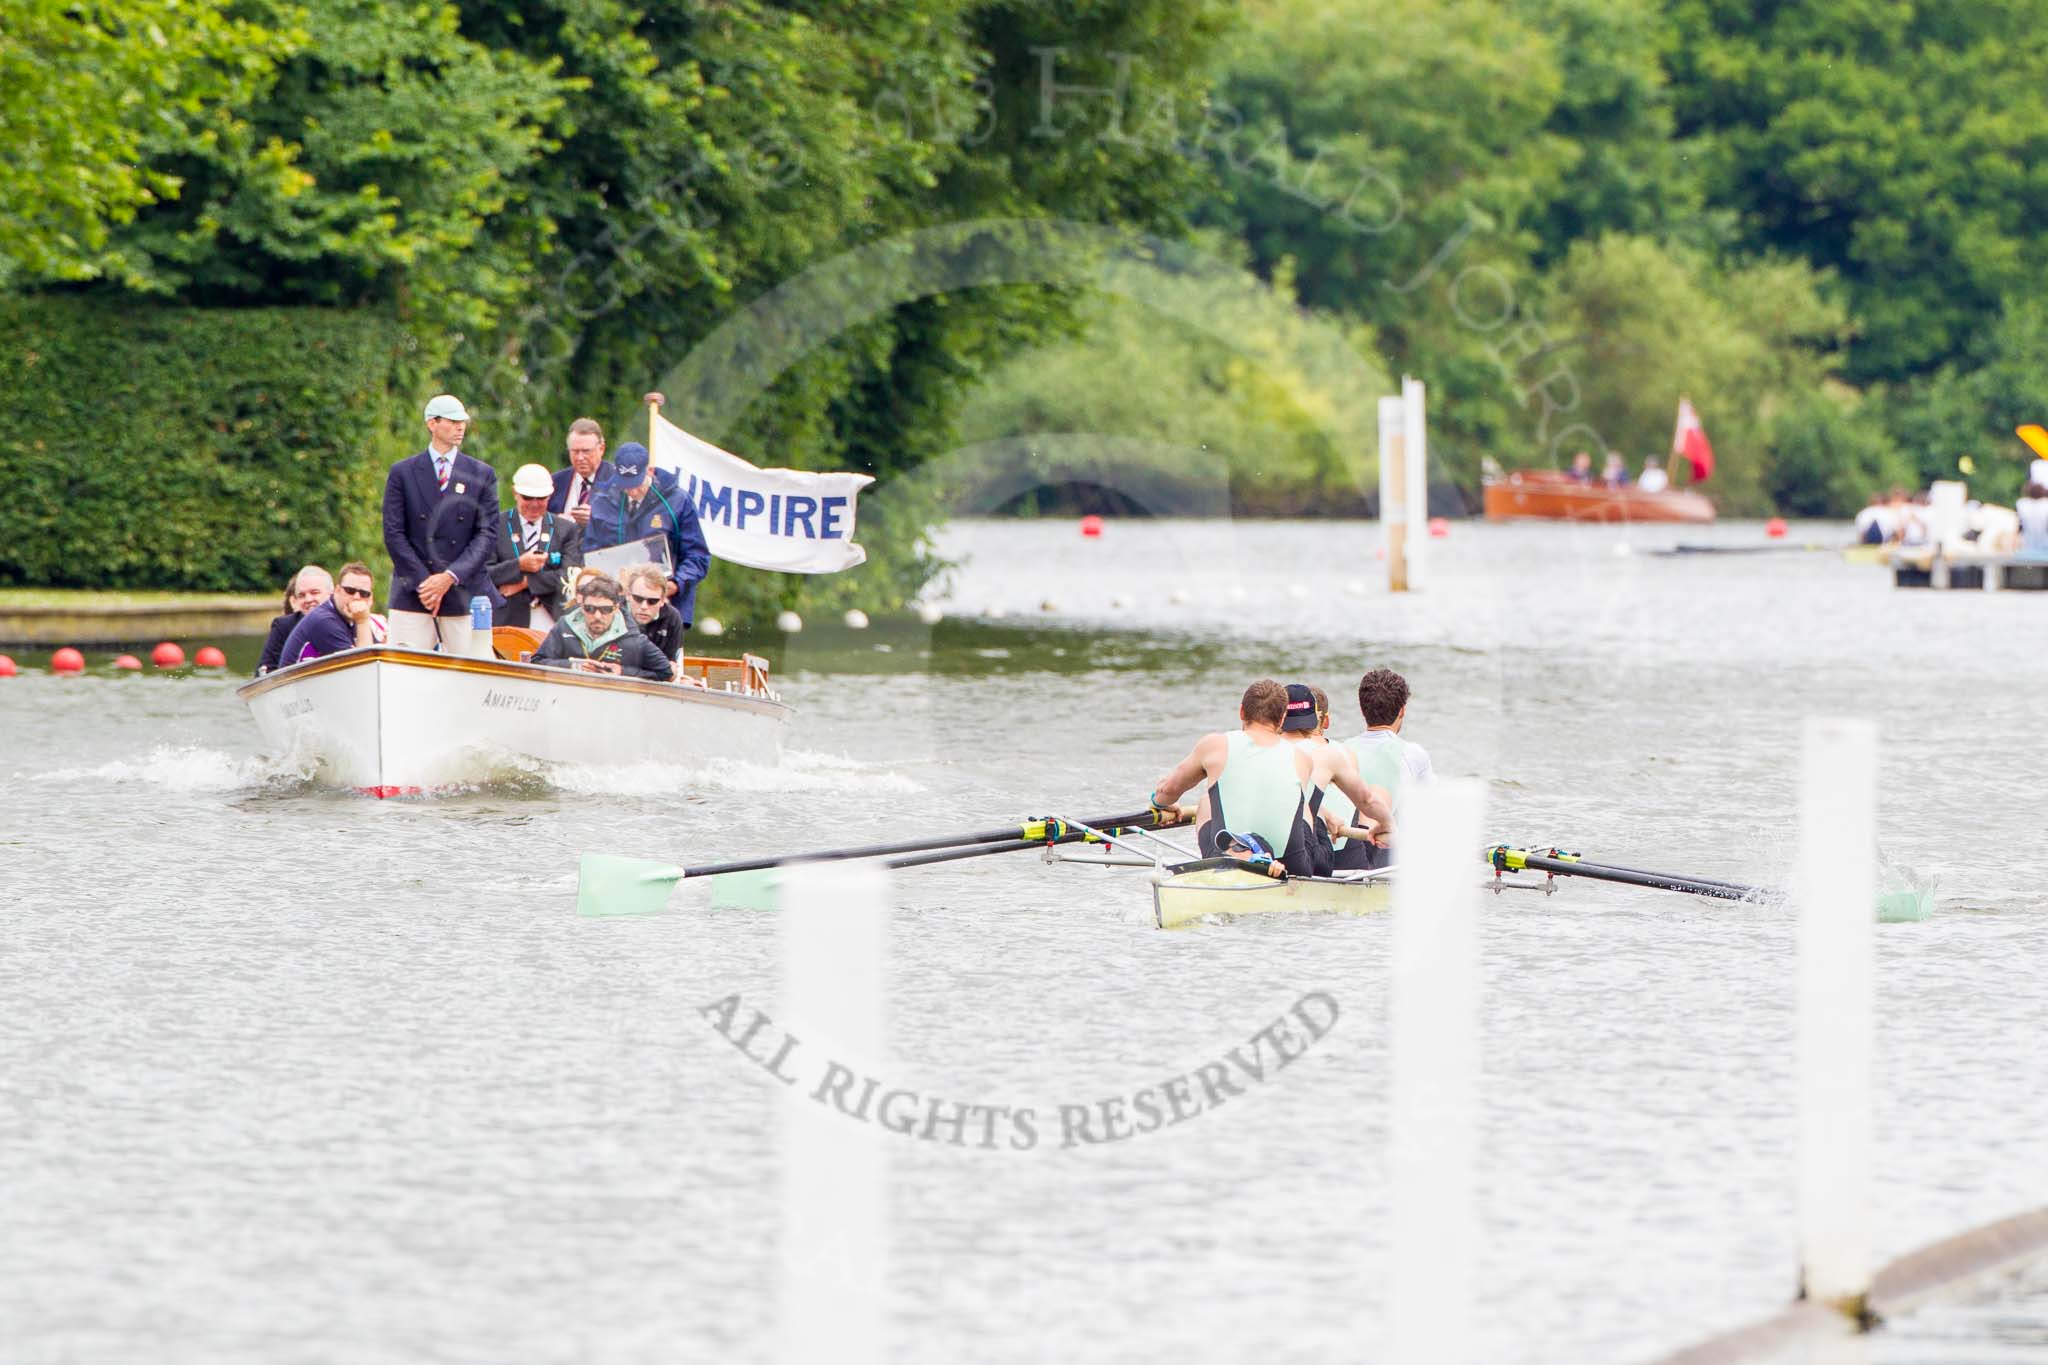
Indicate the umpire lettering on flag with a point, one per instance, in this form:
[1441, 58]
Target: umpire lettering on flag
[440, 523]
[641, 501]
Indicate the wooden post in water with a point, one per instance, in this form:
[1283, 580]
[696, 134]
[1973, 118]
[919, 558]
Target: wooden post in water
[1415, 447]
[1835, 888]
[1394, 490]
[834, 1177]
[1434, 1028]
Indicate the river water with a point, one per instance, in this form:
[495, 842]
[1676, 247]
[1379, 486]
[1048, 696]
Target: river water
[293, 1075]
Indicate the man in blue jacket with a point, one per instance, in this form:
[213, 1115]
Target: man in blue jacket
[440, 525]
[642, 501]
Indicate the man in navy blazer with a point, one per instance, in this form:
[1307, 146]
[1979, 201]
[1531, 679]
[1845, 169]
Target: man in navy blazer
[575, 486]
[440, 524]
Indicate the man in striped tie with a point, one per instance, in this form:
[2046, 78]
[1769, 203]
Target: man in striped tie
[536, 551]
[587, 469]
[440, 524]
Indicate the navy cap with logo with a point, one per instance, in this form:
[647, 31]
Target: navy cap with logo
[1301, 708]
[629, 463]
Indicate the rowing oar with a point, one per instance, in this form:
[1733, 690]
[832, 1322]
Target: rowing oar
[1503, 858]
[610, 885]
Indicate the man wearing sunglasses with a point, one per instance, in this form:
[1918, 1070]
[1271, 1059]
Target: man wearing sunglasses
[597, 637]
[341, 622]
[646, 601]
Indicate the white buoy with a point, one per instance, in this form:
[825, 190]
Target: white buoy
[1356, 587]
[1297, 590]
[710, 625]
[789, 623]
[834, 1241]
[1119, 602]
[1237, 593]
[1433, 1009]
[930, 613]
[1835, 888]
[1177, 598]
[856, 619]
[997, 613]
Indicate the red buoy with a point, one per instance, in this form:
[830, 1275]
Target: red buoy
[7, 668]
[210, 657]
[167, 655]
[1091, 525]
[1439, 527]
[1775, 528]
[67, 660]
[127, 663]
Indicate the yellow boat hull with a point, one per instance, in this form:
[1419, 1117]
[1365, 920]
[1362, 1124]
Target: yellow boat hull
[1183, 899]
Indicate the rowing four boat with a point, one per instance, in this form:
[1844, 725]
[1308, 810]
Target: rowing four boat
[1185, 897]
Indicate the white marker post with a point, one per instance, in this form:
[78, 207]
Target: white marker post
[1394, 491]
[834, 1178]
[1434, 1004]
[1836, 891]
[1415, 445]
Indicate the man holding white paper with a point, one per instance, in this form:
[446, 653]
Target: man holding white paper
[642, 504]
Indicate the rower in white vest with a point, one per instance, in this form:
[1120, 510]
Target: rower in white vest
[1385, 759]
[1256, 803]
[1336, 767]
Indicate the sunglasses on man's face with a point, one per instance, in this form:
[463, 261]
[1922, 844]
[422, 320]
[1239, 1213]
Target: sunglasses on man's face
[601, 608]
[647, 601]
[353, 592]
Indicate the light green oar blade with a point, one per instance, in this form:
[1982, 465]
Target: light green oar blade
[759, 890]
[1906, 903]
[608, 885]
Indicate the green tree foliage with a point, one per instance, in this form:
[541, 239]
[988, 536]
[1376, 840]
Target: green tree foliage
[1969, 407]
[1176, 377]
[1901, 145]
[1637, 325]
[365, 175]
[179, 448]
[87, 88]
[1830, 452]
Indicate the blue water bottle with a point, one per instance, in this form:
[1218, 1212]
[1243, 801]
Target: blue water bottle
[480, 625]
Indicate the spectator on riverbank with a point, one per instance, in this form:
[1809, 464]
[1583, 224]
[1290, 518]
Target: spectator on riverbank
[309, 588]
[2032, 509]
[652, 613]
[341, 622]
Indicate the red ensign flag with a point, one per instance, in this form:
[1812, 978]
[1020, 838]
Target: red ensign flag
[1690, 440]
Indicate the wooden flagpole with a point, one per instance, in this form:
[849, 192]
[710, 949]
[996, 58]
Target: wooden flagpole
[654, 402]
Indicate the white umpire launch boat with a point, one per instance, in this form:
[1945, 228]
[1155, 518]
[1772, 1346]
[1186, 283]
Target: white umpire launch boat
[393, 722]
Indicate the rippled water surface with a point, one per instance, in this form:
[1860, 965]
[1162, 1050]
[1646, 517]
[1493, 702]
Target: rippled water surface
[293, 1075]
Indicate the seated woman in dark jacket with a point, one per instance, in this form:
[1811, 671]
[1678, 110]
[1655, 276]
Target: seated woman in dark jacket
[309, 587]
[597, 637]
[646, 589]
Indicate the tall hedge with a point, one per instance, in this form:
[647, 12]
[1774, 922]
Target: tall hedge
[186, 448]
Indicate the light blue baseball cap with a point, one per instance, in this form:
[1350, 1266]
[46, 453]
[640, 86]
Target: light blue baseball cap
[447, 405]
